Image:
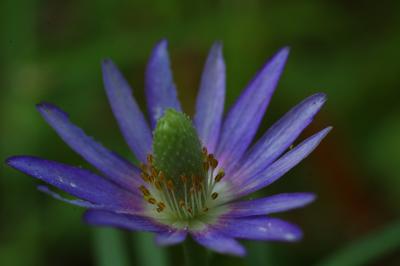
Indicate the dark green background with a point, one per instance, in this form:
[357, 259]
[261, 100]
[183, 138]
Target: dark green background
[51, 50]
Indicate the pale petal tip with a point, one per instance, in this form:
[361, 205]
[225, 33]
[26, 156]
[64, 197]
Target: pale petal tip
[109, 69]
[44, 106]
[277, 61]
[217, 47]
[283, 53]
[293, 233]
[158, 54]
[309, 198]
[293, 237]
[326, 130]
[320, 97]
[19, 162]
[47, 109]
[173, 239]
[11, 161]
[161, 46]
[107, 63]
[240, 252]
[318, 137]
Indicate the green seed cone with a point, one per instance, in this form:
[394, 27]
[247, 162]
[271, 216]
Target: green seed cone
[176, 147]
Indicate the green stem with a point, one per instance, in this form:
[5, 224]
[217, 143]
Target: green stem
[110, 247]
[195, 255]
[147, 253]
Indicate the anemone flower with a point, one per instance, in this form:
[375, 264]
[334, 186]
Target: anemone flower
[192, 174]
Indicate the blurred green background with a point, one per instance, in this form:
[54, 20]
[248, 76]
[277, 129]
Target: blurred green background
[51, 50]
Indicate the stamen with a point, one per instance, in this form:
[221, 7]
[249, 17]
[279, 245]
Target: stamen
[157, 184]
[152, 200]
[145, 191]
[143, 167]
[145, 177]
[161, 176]
[206, 166]
[184, 179]
[219, 176]
[161, 205]
[170, 185]
[212, 161]
[185, 197]
[149, 158]
[154, 172]
[175, 204]
[191, 193]
[214, 195]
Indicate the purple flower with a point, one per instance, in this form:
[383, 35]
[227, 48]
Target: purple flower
[191, 175]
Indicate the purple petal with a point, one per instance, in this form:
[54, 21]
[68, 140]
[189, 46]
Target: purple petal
[211, 97]
[81, 203]
[123, 221]
[160, 87]
[259, 228]
[218, 242]
[78, 182]
[77, 202]
[281, 166]
[244, 117]
[117, 169]
[280, 136]
[130, 118]
[169, 238]
[272, 204]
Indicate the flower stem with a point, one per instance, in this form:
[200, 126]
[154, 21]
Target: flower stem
[195, 255]
[110, 248]
[146, 251]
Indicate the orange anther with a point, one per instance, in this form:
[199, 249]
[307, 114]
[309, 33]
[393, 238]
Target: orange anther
[145, 191]
[219, 176]
[151, 200]
[161, 176]
[170, 184]
[184, 178]
[149, 158]
[143, 167]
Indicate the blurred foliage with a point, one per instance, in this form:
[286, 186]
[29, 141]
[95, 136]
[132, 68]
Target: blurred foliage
[50, 50]
[367, 249]
[110, 248]
[146, 252]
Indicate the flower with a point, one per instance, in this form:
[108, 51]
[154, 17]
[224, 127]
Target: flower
[192, 174]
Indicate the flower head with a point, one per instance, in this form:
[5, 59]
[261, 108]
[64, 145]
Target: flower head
[191, 174]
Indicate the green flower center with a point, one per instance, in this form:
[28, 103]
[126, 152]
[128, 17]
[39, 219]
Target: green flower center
[180, 176]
